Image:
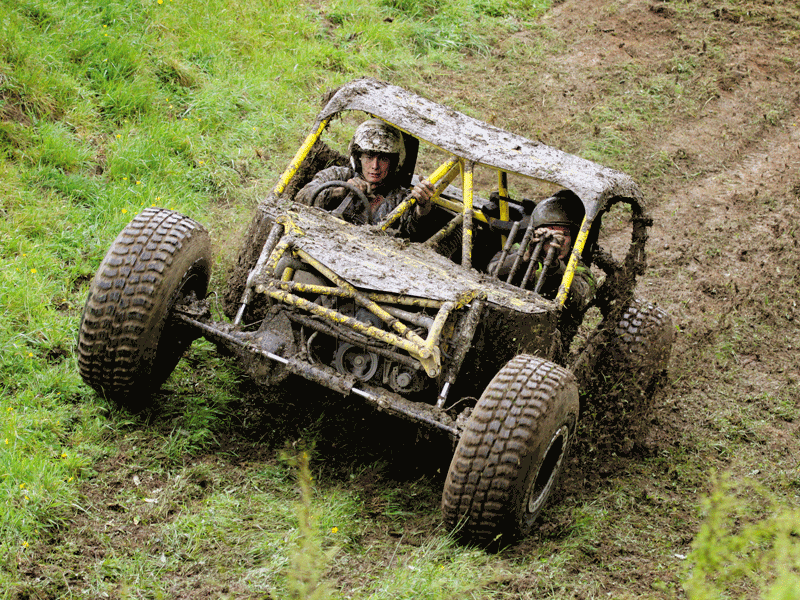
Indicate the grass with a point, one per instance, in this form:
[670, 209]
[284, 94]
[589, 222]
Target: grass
[108, 107]
[747, 537]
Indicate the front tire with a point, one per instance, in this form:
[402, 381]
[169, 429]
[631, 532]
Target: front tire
[512, 452]
[127, 343]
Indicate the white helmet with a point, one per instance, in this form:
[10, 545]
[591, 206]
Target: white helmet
[375, 135]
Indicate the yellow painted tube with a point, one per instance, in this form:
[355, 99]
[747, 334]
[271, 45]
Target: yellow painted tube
[458, 207]
[351, 322]
[427, 355]
[435, 332]
[446, 173]
[466, 239]
[502, 190]
[444, 170]
[572, 264]
[434, 240]
[277, 254]
[405, 300]
[308, 288]
[363, 300]
[299, 157]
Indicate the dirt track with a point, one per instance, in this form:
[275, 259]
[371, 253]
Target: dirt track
[720, 165]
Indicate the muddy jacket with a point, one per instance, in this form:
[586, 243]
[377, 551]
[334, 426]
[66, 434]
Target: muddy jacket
[382, 203]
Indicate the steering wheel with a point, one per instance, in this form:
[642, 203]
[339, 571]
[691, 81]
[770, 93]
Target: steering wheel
[344, 204]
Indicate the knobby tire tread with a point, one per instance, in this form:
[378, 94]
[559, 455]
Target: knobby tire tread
[117, 326]
[641, 325]
[480, 487]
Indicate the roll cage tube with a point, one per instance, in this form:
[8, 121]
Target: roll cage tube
[467, 225]
[279, 188]
[572, 264]
[621, 275]
[301, 155]
[440, 179]
[502, 192]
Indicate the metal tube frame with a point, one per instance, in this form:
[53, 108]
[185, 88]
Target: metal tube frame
[426, 351]
[346, 385]
[440, 179]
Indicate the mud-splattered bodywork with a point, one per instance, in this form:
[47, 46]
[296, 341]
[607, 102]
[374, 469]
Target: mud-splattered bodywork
[396, 321]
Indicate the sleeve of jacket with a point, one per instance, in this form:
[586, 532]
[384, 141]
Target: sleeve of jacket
[305, 195]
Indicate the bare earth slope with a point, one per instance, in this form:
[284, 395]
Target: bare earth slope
[701, 101]
[717, 148]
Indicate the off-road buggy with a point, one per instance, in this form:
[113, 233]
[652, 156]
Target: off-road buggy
[417, 327]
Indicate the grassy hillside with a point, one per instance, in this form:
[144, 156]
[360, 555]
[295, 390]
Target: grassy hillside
[108, 107]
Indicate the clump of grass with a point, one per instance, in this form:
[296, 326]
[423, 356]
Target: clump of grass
[308, 562]
[748, 542]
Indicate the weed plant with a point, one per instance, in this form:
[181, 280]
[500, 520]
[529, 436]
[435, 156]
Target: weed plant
[748, 540]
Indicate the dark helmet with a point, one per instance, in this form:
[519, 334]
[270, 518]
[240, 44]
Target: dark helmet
[375, 135]
[563, 208]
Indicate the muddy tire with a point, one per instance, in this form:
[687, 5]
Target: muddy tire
[512, 452]
[127, 344]
[625, 360]
[642, 340]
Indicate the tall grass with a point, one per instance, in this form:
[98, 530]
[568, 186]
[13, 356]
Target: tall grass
[748, 539]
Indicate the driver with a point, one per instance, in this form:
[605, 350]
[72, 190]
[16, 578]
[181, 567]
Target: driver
[377, 153]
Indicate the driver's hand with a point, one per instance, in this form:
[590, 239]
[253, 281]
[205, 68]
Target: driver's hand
[553, 237]
[360, 184]
[423, 192]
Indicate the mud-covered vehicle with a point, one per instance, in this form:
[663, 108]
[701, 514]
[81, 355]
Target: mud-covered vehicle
[422, 328]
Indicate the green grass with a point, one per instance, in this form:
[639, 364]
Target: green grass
[110, 106]
[747, 538]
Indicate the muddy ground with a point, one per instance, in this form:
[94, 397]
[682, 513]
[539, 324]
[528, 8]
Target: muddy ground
[720, 165]
[723, 252]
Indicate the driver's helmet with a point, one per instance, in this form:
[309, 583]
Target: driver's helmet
[563, 208]
[375, 135]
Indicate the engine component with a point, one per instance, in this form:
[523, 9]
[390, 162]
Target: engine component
[352, 360]
[404, 380]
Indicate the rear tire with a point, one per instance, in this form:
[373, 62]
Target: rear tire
[512, 452]
[127, 343]
[625, 360]
[643, 340]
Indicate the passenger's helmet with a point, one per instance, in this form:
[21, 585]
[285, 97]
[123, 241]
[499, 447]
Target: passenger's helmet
[563, 208]
[375, 135]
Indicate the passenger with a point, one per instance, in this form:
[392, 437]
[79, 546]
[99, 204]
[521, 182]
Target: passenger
[377, 153]
[556, 219]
